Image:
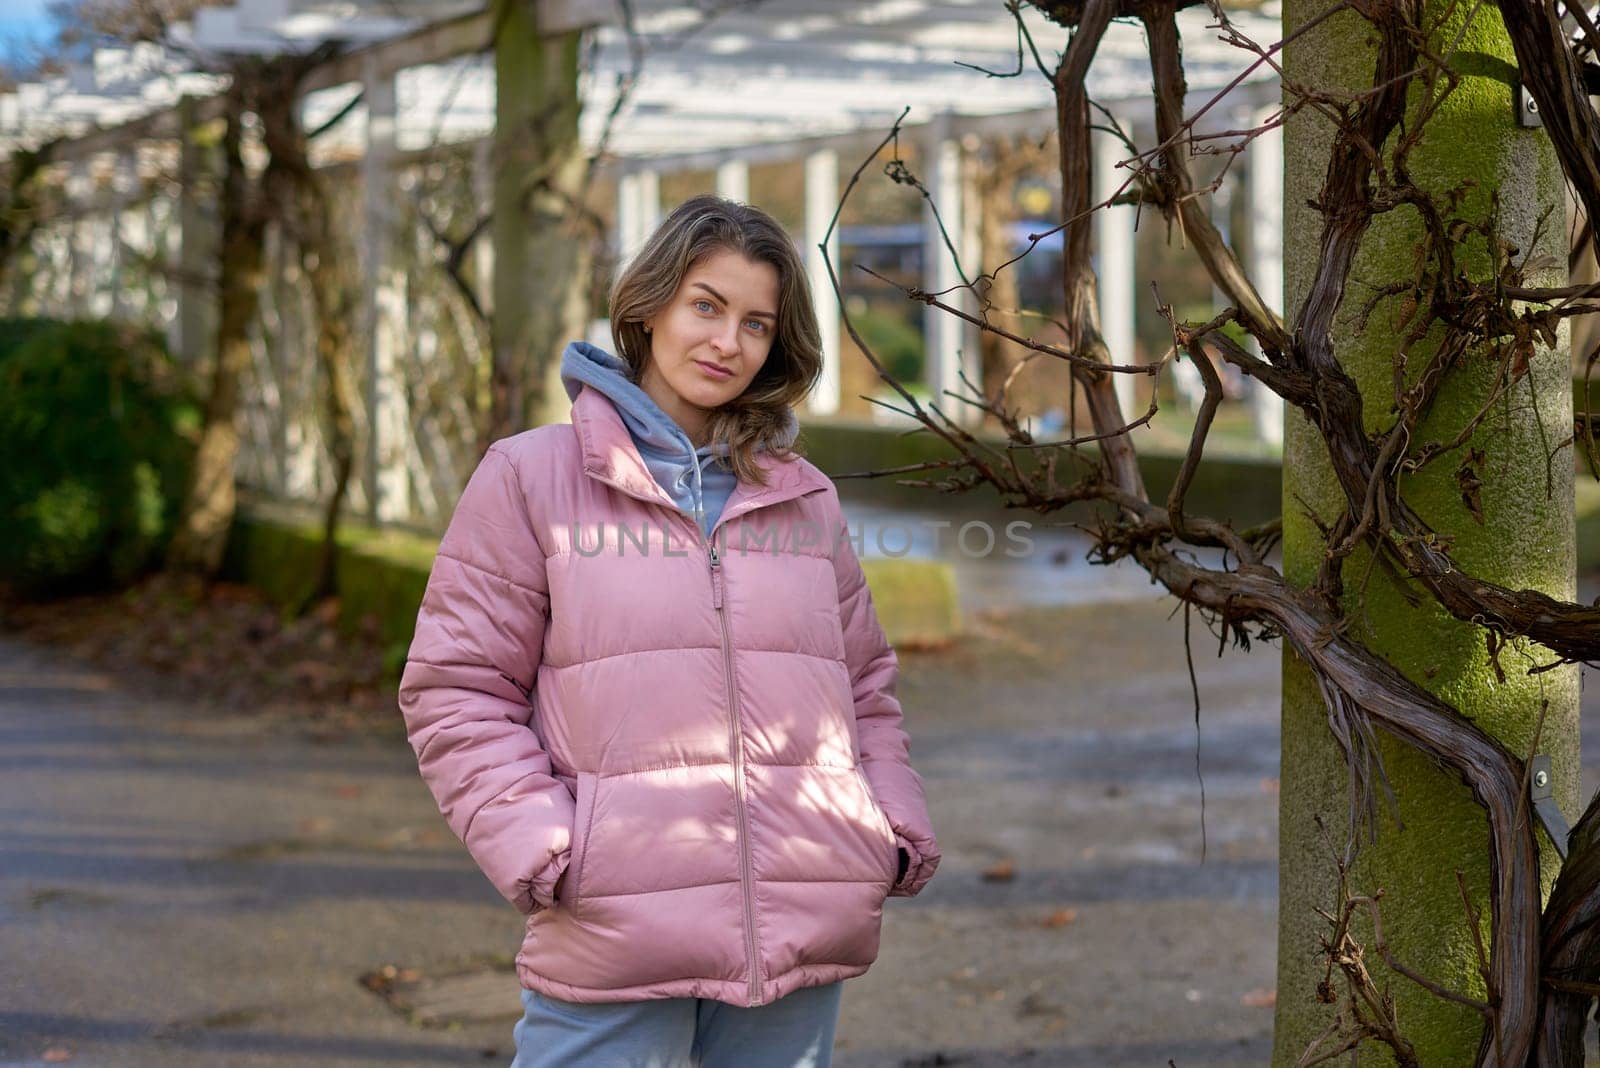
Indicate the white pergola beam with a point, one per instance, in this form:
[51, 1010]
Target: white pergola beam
[433, 43]
[753, 76]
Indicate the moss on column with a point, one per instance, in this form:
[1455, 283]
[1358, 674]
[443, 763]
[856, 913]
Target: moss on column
[1526, 539]
[541, 248]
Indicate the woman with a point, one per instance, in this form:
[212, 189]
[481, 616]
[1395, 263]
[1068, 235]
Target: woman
[648, 689]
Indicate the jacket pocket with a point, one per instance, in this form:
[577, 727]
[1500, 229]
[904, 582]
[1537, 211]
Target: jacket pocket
[584, 814]
[891, 849]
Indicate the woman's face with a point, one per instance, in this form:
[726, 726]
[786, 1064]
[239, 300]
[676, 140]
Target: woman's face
[712, 337]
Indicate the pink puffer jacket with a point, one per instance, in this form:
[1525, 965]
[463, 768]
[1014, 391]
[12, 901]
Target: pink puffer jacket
[708, 742]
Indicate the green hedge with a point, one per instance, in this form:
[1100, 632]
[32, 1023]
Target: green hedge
[97, 433]
[916, 600]
[378, 575]
[381, 576]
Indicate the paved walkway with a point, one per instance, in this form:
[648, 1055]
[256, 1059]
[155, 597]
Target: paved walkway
[186, 885]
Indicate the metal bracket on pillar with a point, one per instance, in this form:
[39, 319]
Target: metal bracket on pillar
[1541, 791]
[1526, 108]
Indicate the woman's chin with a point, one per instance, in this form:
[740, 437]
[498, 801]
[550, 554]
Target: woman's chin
[708, 396]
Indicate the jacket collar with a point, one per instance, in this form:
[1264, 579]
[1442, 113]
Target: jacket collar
[610, 455]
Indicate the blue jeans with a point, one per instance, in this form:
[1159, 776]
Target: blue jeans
[793, 1032]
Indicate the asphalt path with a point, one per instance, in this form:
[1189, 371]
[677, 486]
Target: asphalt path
[182, 884]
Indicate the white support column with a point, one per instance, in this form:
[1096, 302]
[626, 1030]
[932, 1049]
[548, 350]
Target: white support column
[971, 245]
[157, 229]
[80, 230]
[733, 180]
[638, 211]
[822, 197]
[53, 293]
[124, 177]
[1115, 239]
[38, 293]
[393, 415]
[483, 247]
[1185, 375]
[102, 248]
[950, 345]
[288, 398]
[1266, 256]
[385, 477]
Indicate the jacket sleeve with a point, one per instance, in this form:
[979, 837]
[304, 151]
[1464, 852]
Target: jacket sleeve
[466, 691]
[885, 746]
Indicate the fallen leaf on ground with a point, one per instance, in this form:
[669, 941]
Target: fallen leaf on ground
[1000, 872]
[1259, 999]
[1060, 918]
[917, 644]
[1036, 1004]
[314, 671]
[56, 1054]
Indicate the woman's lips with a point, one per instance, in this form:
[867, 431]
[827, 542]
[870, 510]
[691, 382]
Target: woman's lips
[714, 370]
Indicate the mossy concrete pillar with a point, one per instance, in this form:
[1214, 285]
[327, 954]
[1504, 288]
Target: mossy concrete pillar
[541, 245]
[1524, 539]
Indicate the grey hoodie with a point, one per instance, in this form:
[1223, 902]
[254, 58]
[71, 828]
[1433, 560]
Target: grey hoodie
[688, 475]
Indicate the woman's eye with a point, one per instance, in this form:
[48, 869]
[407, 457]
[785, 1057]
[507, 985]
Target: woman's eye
[702, 305]
[757, 325]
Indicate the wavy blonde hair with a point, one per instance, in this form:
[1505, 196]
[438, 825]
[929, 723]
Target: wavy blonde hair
[697, 228]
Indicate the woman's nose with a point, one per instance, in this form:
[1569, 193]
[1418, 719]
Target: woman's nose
[726, 339]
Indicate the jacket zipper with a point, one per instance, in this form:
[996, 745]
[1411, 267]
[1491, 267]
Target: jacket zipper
[736, 742]
[735, 729]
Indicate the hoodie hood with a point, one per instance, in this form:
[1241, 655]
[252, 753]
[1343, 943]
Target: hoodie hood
[687, 474]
